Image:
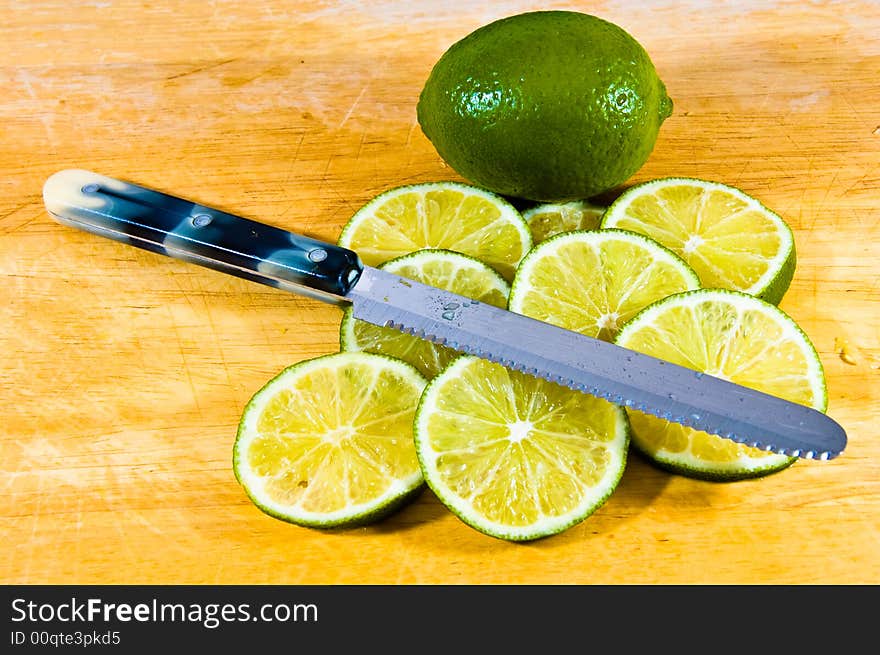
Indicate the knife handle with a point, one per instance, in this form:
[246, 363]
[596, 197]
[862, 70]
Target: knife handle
[185, 230]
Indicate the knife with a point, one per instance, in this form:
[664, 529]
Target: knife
[172, 226]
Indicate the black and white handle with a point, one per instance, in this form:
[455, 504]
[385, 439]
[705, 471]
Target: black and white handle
[182, 229]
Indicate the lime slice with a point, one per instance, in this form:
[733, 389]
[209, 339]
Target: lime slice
[730, 239]
[328, 442]
[514, 456]
[593, 282]
[444, 215]
[549, 219]
[440, 268]
[736, 337]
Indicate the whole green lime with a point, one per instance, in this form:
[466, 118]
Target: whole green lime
[549, 106]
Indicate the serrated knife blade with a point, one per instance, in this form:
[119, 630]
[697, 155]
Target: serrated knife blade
[619, 375]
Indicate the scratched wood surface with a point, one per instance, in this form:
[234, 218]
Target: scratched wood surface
[123, 373]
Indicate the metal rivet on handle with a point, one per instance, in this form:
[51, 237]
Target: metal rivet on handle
[91, 188]
[201, 220]
[317, 255]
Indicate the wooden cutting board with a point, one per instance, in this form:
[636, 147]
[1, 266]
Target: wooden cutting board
[124, 373]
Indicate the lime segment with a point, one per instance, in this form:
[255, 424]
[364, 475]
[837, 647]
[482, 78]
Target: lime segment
[736, 337]
[328, 442]
[439, 215]
[593, 282]
[514, 456]
[549, 219]
[729, 238]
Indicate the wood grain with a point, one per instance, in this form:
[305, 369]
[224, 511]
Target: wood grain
[124, 373]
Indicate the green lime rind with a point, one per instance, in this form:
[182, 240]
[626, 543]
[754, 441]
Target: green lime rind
[690, 467]
[778, 286]
[348, 339]
[379, 508]
[773, 285]
[467, 515]
[505, 266]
